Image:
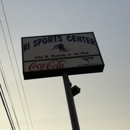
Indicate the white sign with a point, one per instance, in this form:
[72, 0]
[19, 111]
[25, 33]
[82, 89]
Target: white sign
[74, 53]
[59, 46]
[62, 63]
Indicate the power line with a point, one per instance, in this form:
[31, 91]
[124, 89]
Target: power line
[6, 108]
[8, 92]
[17, 64]
[14, 74]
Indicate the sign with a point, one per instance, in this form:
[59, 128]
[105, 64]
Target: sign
[47, 56]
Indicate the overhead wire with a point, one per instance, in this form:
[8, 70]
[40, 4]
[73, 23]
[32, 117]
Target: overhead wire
[6, 108]
[9, 94]
[14, 74]
[17, 64]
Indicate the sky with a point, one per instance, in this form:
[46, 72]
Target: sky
[104, 100]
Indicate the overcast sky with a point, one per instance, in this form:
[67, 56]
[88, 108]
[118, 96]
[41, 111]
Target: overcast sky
[104, 101]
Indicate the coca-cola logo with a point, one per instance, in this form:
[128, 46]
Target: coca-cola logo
[51, 65]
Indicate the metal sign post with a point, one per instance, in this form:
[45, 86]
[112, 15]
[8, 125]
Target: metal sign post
[71, 104]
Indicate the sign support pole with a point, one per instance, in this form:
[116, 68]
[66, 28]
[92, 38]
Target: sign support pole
[71, 104]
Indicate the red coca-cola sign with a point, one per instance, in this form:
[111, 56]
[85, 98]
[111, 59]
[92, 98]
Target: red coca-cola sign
[50, 65]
